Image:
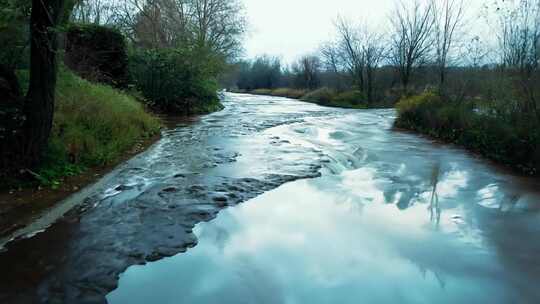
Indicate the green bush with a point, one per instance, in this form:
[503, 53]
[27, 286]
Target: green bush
[350, 98]
[95, 123]
[177, 80]
[97, 53]
[331, 98]
[14, 33]
[323, 96]
[262, 92]
[289, 93]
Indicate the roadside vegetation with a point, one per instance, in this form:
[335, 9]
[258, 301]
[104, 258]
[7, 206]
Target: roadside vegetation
[94, 125]
[80, 77]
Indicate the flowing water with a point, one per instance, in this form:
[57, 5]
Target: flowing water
[337, 207]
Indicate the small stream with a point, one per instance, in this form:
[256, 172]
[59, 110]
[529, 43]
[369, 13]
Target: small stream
[337, 207]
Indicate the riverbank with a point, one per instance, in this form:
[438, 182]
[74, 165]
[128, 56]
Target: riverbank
[324, 96]
[96, 127]
[18, 207]
[512, 140]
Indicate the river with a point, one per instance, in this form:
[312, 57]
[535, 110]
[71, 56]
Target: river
[336, 207]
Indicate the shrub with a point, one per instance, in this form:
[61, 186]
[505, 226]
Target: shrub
[14, 33]
[262, 92]
[289, 93]
[322, 96]
[350, 98]
[509, 140]
[177, 80]
[97, 53]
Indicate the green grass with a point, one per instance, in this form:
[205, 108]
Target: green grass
[514, 141]
[93, 126]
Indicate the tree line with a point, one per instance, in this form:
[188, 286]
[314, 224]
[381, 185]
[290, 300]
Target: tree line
[428, 44]
[175, 50]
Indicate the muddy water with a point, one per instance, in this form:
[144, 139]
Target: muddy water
[338, 208]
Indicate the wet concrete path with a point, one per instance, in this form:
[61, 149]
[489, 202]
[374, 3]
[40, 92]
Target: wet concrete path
[339, 208]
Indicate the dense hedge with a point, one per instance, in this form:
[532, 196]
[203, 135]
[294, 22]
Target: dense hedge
[97, 53]
[512, 140]
[176, 80]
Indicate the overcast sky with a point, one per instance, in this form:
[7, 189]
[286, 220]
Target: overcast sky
[291, 28]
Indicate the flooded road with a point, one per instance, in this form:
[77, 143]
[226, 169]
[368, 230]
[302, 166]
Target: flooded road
[337, 208]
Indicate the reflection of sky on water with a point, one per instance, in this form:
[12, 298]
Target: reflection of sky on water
[329, 240]
[370, 230]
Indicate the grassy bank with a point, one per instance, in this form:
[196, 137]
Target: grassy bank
[511, 139]
[94, 125]
[324, 97]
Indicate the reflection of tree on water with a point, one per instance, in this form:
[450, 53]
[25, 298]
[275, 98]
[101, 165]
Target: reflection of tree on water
[437, 274]
[405, 192]
[402, 192]
[434, 206]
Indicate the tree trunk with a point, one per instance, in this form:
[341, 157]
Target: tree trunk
[370, 84]
[10, 120]
[442, 81]
[39, 106]
[405, 83]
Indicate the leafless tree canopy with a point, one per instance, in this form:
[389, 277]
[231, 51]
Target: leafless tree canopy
[215, 24]
[94, 11]
[519, 37]
[412, 39]
[307, 69]
[448, 18]
[358, 51]
[519, 43]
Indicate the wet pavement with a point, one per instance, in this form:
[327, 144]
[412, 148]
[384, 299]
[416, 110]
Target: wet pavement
[338, 208]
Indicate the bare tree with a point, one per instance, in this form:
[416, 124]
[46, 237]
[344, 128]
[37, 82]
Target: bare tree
[214, 24]
[94, 11]
[330, 56]
[350, 51]
[374, 50]
[330, 61]
[176, 16]
[475, 52]
[307, 71]
[141, 22]
[217, 25]
[411, 41]
[448, 18]
[358, 50]
[519, 42]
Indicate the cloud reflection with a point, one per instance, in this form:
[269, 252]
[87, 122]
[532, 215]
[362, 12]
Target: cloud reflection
[307, 243]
